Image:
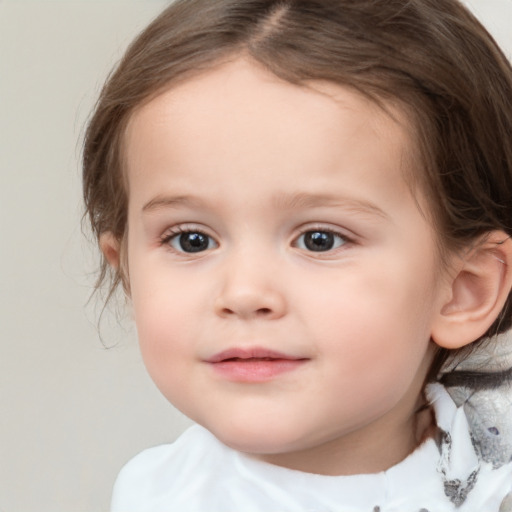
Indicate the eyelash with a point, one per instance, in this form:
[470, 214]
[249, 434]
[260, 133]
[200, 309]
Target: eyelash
[343, 239]
[175, 232]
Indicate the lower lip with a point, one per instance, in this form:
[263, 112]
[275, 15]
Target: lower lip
[256, 370]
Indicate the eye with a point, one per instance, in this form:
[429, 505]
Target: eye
[191, 242]
[317, 240]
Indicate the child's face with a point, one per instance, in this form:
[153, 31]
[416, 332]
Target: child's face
[274, 222]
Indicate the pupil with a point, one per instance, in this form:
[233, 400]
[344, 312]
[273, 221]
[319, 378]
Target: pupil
[193, 242]
[319, 241]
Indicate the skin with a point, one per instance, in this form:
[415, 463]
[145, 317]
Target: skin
[253, 163]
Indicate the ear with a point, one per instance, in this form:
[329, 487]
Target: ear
[475, 292]
[111, 248]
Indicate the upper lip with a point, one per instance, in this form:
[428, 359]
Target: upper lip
[250, 353]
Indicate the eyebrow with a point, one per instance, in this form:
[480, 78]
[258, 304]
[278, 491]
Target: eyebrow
[280, 201]
[307, 200]
[162, 202]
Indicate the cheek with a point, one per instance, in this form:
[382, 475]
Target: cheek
[161, 311]
[364, 301]
[374, 316]
[167, 348]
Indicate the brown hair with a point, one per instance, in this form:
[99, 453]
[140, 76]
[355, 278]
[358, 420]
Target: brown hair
[432, 57]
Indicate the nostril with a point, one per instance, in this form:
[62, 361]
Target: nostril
[247, 304]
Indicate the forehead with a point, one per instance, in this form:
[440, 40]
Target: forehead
[240, 116]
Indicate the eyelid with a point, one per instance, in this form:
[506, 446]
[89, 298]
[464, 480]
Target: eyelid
[173, 231]
[348, 238]
[328, 228]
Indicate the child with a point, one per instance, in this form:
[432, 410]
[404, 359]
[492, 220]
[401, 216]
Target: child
[309, 205]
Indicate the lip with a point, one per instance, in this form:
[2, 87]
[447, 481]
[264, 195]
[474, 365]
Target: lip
[254, 364]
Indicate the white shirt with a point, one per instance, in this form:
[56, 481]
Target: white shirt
[197, 473]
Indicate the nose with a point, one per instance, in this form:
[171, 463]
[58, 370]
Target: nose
[249, 290]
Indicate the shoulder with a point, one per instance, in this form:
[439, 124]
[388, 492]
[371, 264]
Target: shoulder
[157, 472]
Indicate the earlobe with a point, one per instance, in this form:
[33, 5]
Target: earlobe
[475, 293]
[111, 249]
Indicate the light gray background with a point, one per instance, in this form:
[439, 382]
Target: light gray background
[71, 412]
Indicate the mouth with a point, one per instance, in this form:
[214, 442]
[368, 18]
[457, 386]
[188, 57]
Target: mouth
[253, 364]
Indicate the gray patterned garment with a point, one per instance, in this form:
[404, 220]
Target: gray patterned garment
[481, 384]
